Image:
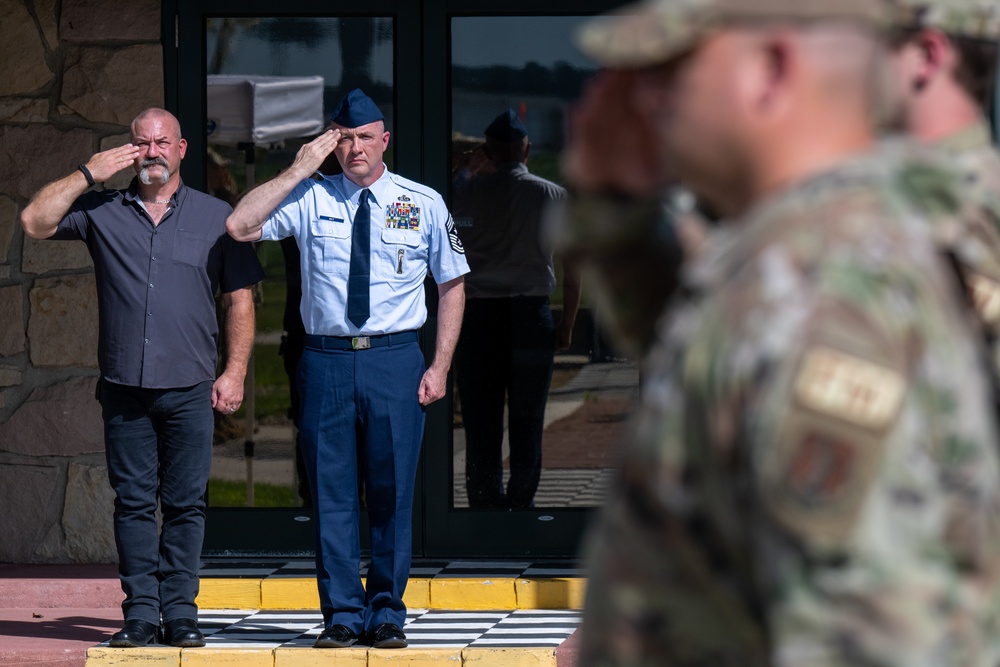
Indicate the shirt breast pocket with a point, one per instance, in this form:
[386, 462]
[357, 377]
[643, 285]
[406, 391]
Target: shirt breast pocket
[331, 244]
[191, 248]
[403, 254]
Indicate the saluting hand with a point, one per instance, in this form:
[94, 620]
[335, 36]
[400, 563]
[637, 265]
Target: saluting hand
[612, 145]
[312, 155]
[106, 164]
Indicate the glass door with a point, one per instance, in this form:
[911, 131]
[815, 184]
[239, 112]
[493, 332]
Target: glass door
[269, 82]
[541, 400]
[251, 82]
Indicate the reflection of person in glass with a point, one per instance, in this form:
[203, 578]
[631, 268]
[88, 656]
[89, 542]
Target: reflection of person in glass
[508, 341]
[220, 184]
[219, 179]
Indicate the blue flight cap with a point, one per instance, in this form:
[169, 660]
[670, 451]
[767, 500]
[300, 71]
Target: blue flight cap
[506, 127]
[356, 109]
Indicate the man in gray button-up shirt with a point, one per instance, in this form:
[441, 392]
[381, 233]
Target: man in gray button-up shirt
[160, 252]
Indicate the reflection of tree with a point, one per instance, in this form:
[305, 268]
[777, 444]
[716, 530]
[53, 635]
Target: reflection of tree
[562, 79]
[280, 33]
[357, 38]
[225, 29]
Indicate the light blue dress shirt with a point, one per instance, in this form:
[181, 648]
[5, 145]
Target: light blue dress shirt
[411, 232]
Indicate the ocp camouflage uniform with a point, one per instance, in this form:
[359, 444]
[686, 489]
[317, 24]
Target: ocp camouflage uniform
[626, 242]
[978, 19]
[972, 239]
[814, 478]
[629, 241]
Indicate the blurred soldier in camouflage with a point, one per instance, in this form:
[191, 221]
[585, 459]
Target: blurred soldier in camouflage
[814, 478]
[944, 55]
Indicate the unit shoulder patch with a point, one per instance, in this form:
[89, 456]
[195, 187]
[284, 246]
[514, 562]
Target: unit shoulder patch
[819, 470]
[849, 388]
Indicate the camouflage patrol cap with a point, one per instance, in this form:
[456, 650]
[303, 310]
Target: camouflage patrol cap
[655, 31]
[963, 18]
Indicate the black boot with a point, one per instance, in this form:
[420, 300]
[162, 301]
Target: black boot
[182, 632]
[136, 633]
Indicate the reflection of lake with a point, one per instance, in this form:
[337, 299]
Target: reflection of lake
[585, 421]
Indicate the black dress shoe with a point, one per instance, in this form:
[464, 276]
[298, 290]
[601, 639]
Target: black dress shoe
[135, 633]
[182, 632]
[336, 636]
[387, 635]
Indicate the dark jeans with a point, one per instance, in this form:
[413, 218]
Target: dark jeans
[159, 446]
[505, 352]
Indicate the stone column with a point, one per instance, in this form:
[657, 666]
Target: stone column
[84, 69]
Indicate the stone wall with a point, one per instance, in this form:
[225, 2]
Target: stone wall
[75, 73]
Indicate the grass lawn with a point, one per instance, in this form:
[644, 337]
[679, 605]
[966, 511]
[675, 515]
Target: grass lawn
[224, 493]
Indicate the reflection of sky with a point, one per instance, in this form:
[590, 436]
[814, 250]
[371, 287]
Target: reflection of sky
[251, 53]
[478, 41]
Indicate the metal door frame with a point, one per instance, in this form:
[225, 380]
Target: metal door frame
[421, 140]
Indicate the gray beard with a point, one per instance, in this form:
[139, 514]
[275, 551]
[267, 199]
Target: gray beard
[148, 180]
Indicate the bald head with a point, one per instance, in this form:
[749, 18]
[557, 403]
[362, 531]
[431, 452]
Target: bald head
[167, 120]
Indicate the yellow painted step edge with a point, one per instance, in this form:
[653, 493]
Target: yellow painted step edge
[557, 593]
[509, 657]
[163, 656]
[363, 657]
[148, 656]
[229, 594]
[474, 594]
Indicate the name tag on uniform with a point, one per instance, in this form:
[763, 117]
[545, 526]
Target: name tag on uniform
[328, 218]
[402, 215]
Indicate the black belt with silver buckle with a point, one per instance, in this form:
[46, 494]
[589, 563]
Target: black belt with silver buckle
[359, 342]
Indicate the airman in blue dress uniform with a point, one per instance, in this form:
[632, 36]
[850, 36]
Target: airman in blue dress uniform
[367, 238]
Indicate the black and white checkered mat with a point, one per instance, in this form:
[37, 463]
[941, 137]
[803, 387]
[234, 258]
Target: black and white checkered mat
[420, 569]
[424, 628]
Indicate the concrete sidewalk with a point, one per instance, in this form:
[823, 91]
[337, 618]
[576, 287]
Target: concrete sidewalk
[51, 614]
[57, 637]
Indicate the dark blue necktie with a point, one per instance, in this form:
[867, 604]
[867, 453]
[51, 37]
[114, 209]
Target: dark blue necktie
[359, 280]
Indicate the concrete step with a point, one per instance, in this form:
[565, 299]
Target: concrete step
[456, 585]
[274, 638]
[487, 613]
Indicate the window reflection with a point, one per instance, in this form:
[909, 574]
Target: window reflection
[282, 78]
[541, 401]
